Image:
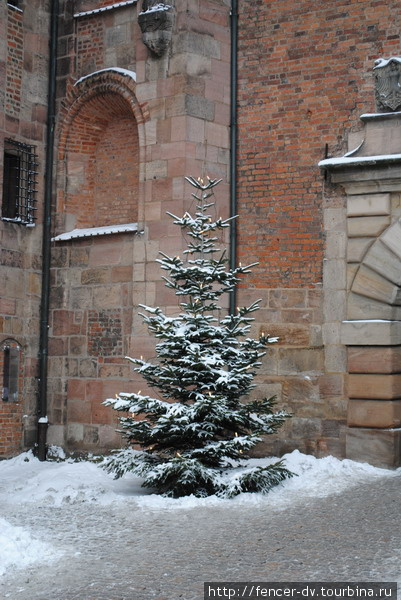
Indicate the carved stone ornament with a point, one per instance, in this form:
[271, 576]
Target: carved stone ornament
[388, 83]
[156, 23]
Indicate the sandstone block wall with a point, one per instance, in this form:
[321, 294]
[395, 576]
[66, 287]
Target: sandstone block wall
[305, 77]
[23, 106]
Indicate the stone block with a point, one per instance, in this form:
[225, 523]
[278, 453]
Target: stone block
[91, 435]
[292, 361]
[375, 386]
[334, 274]
[371, 333]
[75, 433]
[78, 411]
[392, 238]
[97, 275]
[361, 307]
[383, 414]
[381, 259]
[365, 205]
[357, 248]
[55, 435]
[352, 270]
[374, 360]
[369, 283]
[289, 335]
[366, 226]
[331, 384]
[305, 428]
[334, 305]
[379, 447]
[156, 169]
[87, 367]
[334, 219]
[105, 254]
[335, 244]
[197, 43]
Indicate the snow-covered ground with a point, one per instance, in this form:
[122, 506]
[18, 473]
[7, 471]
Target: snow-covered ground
[26, 481]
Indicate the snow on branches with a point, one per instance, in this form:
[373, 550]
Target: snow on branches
[199, 430]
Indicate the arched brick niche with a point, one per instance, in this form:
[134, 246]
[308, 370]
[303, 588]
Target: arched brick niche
[99, 153]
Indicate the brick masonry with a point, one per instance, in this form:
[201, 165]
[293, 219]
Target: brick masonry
[124, 144]
[23, 102]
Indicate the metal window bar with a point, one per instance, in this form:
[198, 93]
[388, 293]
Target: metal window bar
[19, 205]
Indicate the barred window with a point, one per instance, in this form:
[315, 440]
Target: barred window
[19, 183]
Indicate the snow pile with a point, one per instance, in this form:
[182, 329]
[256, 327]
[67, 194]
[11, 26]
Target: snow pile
[26, 480]
[18, 549]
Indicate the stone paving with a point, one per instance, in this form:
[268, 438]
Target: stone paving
[121, 553]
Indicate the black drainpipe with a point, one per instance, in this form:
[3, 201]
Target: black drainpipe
[233, 148]
[44, 310]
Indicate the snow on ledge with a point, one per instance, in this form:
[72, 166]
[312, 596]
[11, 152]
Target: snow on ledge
[100, 10]
[96, 231]
[359, 160]
[125, 72]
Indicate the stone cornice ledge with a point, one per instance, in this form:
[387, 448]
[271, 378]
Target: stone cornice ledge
[359, 161]
[373, 332]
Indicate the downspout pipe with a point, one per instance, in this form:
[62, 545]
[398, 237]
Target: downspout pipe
[46, 240]
[233, 147]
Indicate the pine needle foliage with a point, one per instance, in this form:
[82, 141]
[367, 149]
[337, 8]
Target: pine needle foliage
[195, 434]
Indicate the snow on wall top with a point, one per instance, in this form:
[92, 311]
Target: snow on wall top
[383, 62]
[126, 72]
[96, 231]
[160, 6]
[100, 10]
[359, 160]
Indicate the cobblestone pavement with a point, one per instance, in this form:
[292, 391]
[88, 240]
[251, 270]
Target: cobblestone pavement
[125, 553]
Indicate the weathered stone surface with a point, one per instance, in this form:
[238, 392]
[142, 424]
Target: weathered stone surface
[361, 307]
[392, 238]
[366, 226]
[384, 261]
[372, 413]
[379, 447]
[378, 386]
[374, 360]
[357, 247]
[365, 205]
[304, 360]
[369, 283]
[372, 333]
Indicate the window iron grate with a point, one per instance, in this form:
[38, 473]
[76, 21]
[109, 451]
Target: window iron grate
[19, 182]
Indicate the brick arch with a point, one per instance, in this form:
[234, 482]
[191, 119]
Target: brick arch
[101, 146]
[378, 278]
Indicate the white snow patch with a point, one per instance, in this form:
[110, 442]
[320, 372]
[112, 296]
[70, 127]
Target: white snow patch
[160, 6]
[18, 548]
[100, 10]
[126, 72]
[26, 480]
[383, 62]
[356, 160]
[95, 231]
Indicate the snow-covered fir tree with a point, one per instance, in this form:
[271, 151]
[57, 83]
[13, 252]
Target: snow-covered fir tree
[196, 431]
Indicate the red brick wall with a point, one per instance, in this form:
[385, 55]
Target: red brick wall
[15, 61]
[11, 432]
[103, 164]
[305, 76]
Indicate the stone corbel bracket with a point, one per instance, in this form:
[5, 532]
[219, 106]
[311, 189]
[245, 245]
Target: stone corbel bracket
[156, 22]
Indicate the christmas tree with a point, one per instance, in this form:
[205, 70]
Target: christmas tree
[197, 432]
